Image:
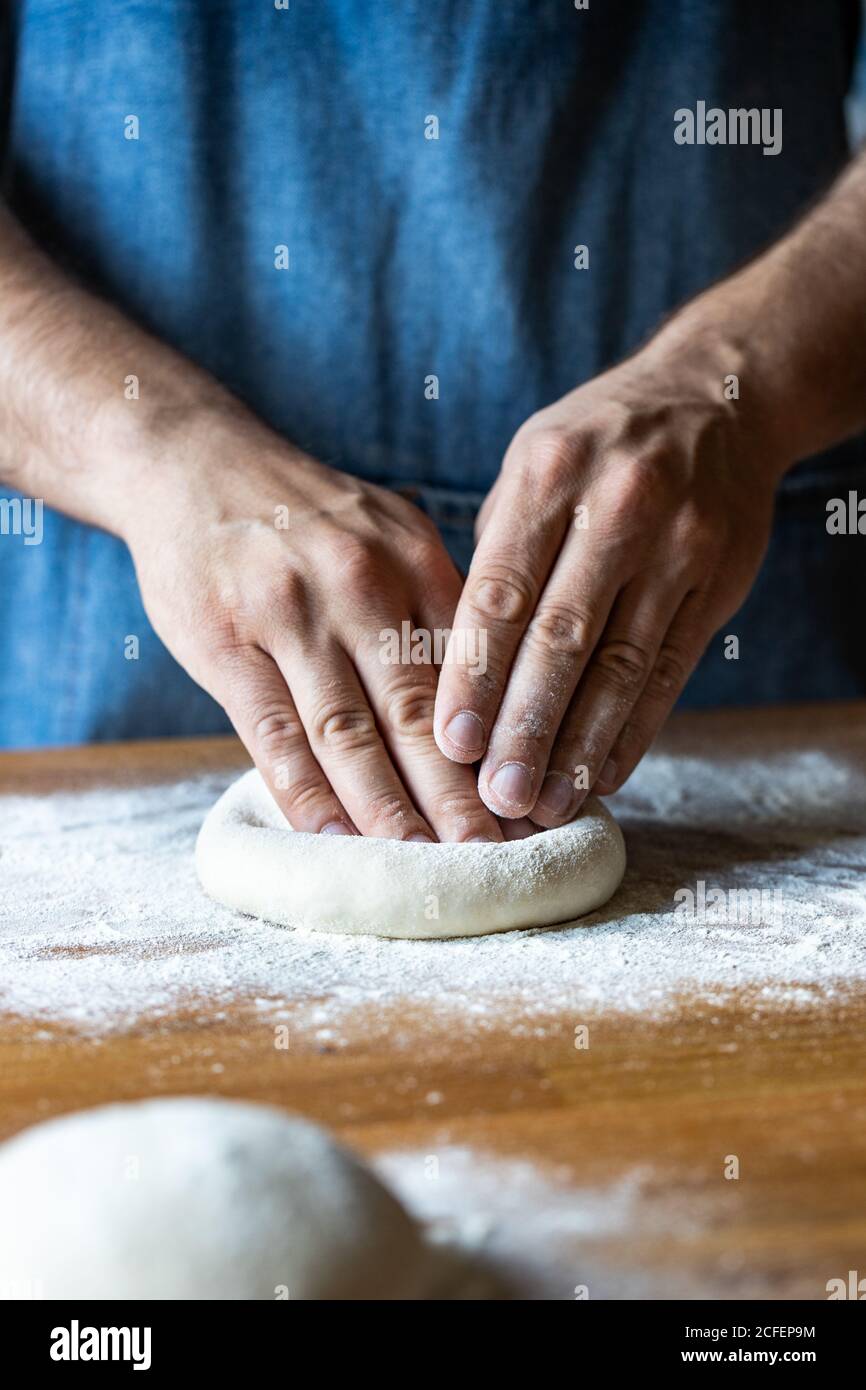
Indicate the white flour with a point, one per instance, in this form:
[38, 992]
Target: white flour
[102, 921]
[545, 1233]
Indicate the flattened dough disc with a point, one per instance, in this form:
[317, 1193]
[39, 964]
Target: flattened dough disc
[249, 858]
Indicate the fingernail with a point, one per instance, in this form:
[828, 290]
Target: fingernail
[513, 783]
[480, 840]
[335, 827]
[420, 838]
[608, 773]
[466, 732]
[557, 793]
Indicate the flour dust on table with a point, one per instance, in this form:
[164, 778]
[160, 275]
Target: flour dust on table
[103, 926]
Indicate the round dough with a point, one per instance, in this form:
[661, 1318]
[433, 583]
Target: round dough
[201, 1199]
[249, 858]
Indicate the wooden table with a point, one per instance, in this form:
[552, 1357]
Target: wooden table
[669, 1100]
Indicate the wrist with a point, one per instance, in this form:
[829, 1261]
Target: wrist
[710, 349]
[208, 459]
[131, 452]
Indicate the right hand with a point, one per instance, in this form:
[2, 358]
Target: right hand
[282, 627]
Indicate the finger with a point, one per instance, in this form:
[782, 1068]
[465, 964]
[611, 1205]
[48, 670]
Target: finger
[514, 555]
[345, 740]
[402, 692]
[436, 604]
[519, 829]
[609, 690]
[259, 705]
[568, 623]
[677, 657]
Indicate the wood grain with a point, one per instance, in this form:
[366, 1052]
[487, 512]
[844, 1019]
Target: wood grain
[662, 1104]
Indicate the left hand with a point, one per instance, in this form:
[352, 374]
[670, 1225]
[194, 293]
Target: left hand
[595, 618]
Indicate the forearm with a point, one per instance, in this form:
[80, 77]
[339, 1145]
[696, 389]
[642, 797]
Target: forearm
[71, 430]
[792, 325]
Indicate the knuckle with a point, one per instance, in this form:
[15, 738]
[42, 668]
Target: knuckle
[388, 816]
[633, 736]
[548, 450]
[703, 540]
[425, 534]
[303, 796]
[500, 594]
[523, 728]
[464, 816]
[645, 483]
[428, 556]
[559, 629]
[218, 635]
[459, 806]
[287, 595]
[274, 728]
[409, 711]
[355, 563]
[624, 664]
[669, 673]
[344, 729]
[637, 497]
[288, 591]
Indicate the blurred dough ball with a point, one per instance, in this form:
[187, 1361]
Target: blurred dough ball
[198, 1199]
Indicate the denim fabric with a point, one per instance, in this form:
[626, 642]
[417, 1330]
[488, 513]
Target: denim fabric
[407, 257]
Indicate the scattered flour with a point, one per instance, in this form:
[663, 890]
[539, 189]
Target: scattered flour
[102, 922]
[535, 1232]
[539, 1233]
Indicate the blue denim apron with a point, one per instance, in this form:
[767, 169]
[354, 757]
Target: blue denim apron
[408, 256]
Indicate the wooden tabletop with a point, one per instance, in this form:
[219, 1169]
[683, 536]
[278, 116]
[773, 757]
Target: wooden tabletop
[659, 1106]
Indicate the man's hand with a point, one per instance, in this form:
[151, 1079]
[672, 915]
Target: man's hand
[282, 626]
[627, 524]
[593, 629]
[630, 518]
[273, 581]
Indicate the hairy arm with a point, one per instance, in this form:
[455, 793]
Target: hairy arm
[796, 316]
[68, 433]
[282, 621]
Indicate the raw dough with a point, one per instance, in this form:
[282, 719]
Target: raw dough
[249, 858]
[200, 1199]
